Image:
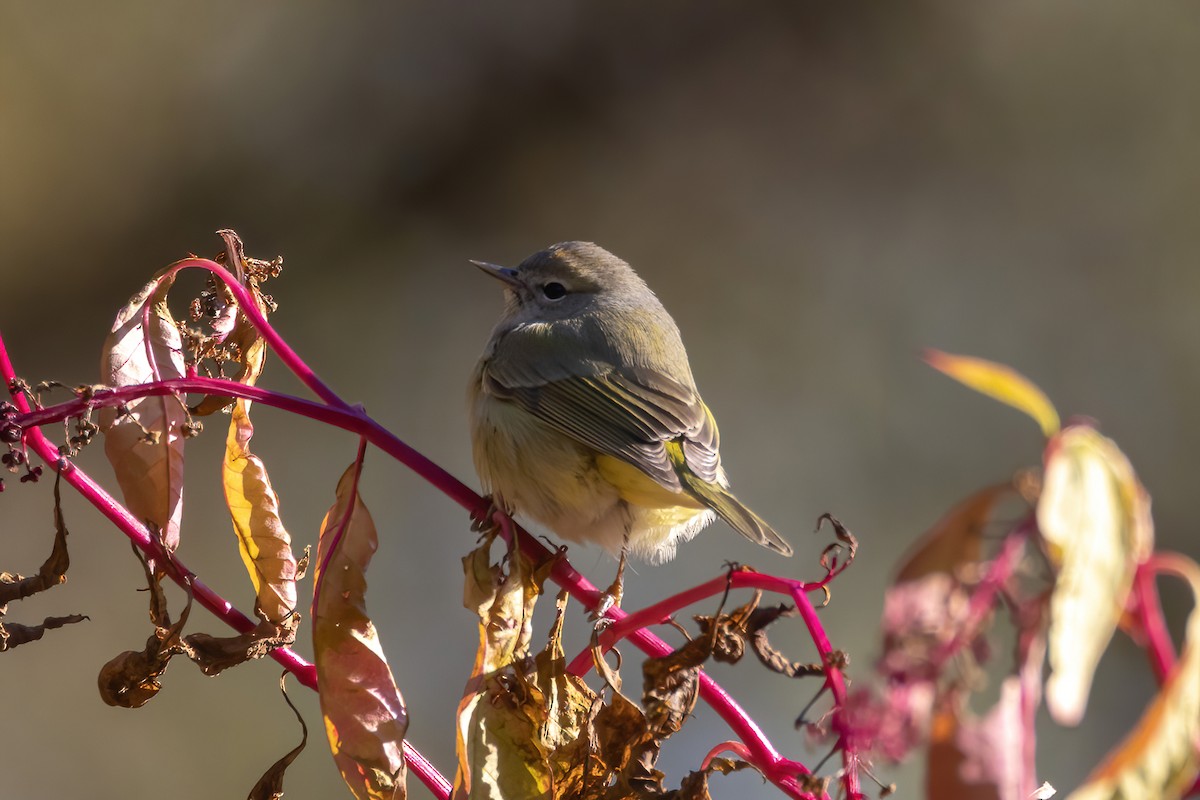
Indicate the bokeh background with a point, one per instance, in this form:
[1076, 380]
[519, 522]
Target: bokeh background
[816, 192]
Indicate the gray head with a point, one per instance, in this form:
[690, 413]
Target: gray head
[566, 280]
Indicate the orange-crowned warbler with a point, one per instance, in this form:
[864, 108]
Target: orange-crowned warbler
[584, 414]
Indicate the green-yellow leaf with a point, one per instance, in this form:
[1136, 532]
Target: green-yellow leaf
[1000, 383]
[365, 717]
[145, 446]
[264, 543]
[1094, 517]
[1158, 758]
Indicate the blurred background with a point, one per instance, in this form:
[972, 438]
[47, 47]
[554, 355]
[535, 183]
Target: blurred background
[815, 191]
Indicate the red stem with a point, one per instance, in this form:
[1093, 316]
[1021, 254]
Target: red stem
[1147, 611]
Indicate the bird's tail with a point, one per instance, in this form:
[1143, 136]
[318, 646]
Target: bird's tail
[738, 517]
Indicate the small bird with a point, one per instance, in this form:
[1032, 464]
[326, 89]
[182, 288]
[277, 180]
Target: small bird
[585, 416]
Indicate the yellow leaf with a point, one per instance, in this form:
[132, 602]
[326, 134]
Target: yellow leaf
[1158, 758]
[264, 543]
[1000, 383]
[145, 446]
[365, 717]
[1094, 517]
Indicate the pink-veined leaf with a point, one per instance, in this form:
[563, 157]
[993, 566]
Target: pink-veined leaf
[145, 445]
[264, 543]
[365, 717]
[1094, 517]
[1159, 756]
[1000, 383]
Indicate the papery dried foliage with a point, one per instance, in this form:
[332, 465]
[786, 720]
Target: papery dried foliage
[1159, 756]
[144, 440]
[270, 785]
[131, 679]
[52, 572]
[528, 729]
[1094, 516]
[365, 717]
[233, 339]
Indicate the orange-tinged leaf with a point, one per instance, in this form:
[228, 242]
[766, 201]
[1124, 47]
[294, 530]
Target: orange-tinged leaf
[365, 717]
[145, 446]
[263, 542]
[1094, 517]
[1000, 383]
[955, 540]
[1159, 758]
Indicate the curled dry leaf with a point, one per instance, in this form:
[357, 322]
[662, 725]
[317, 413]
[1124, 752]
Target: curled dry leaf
[1094, 517]
[145, 444]
[270, 785]
[1000, 383]
[234, 337]
[13, 634]
[365, 717]
[130, 679]
[1159, 758]
[264, 543]
[52, 572]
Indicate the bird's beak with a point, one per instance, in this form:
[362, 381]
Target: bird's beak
[504, 274]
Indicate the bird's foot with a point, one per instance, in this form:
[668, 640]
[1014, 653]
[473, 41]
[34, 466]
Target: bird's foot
[611, 597]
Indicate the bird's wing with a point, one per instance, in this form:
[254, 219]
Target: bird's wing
[629, 413]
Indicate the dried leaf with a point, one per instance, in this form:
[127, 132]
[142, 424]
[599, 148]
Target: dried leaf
[145, 445]
[215, 654]
[13, 634]
[500, 754]
[1158, 758]
[365, 717]
[130, 679]
[1000, 383]
[264, 544]
[53, 570]
[233, 331]
[1094, 517]
[270, 785]
[956, 540]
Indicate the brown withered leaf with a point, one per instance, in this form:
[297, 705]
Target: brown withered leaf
[145, 443]
[365, 716]
[831, 560]
[1158, 758]
[671, 685]
[13, 634]
[955, 541]
[53, 570]
[130, 679]
[270, 785]
[215, 654]
[234, 337]
[264, 543]
[1094, 518]
[567, 699]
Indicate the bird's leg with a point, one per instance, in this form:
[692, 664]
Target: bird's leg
[612, 595]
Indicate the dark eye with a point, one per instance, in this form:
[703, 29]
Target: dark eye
[554, 291]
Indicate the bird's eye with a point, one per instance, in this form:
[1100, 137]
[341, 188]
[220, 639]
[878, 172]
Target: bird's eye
[554, 291]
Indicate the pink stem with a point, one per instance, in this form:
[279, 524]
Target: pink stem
[1148, 613]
